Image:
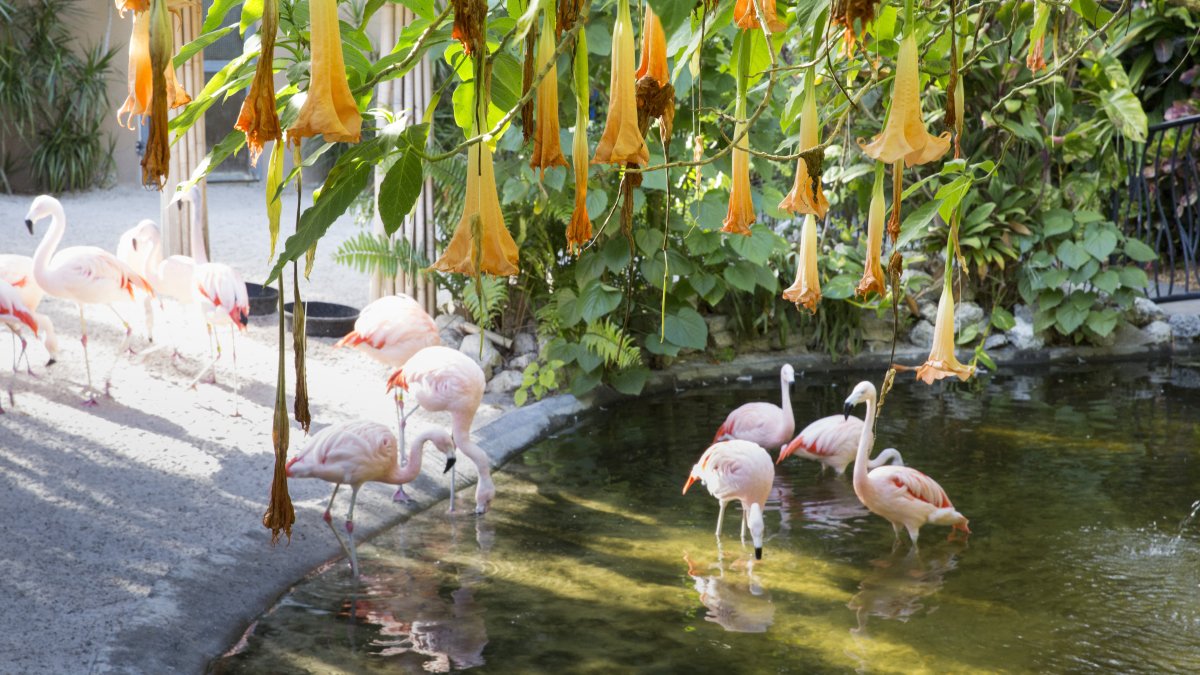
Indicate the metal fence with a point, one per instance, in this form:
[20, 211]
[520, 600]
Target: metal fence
[1162, 206]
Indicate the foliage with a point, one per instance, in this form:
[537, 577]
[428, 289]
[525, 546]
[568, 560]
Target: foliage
[538, 379]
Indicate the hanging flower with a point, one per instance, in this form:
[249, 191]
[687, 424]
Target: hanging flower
[134, 6]
[329, 109]
[579, 231]
[156, 162]
[654, 49]
[622, 141]
[741, 206]
[1035, 61]
[259, 119]
[846, 13]
[141, 79]
[547, 151]
[807, 195]
[806, 290]
[469, 16]
[747, 19]
[873, 275]
[904, 136]
[942, 362]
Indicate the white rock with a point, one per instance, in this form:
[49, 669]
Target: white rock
[521, 362]
[966, 314]
[491, 356]
[928, 311]
[1024, 313]
[1145, 311]
[716, 322]
[1022, 335]
[995, 341]
[1185, 326]
[921, 334]
[722, 339]
[505, 381]
[525, 343]
[445, 321]
[1158, 332]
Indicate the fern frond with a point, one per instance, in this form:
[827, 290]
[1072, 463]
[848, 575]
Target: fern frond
[614, 346]
[495, 295]
[370, 253]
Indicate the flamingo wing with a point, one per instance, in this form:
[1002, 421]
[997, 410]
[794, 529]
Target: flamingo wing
[909, 483]
[97, 275]
[737, 470]
[751, 422]
[13, 310]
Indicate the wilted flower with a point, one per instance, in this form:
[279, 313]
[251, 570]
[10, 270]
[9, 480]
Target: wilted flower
[846, 13]
[259, 119]
[873, 278]
[654, 49]
[942, 362]
[622, 140]
[469, 21]
[329, 109]
[806, 290]
[747, 19]
[141, 79]
[807, 195]
[156, 161]
[579, 231]
[1037, 37]
[547, 151]
[904, 136]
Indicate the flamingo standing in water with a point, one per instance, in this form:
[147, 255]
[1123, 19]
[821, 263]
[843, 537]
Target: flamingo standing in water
[17, 270]
[444, 379]
[357, 452]
[766, 424]
[138, 247]
[739, 470]
[14, 314]
[86, 275]
[904, 496]
[832, 441]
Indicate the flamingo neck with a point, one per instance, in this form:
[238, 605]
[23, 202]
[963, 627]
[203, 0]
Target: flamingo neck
[786, 404]
[865, 441]
[49, 244]
[408, 473]
[196, 229]
[151, 271]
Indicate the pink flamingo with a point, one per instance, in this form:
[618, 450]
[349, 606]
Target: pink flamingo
[86, 275]
[357, 452]
[223, 300]
[902, 495]
[832, 441]
[14, 314]
[739, 470]
[443, 379]
[138, 247]
[17, 270]
[766, 424]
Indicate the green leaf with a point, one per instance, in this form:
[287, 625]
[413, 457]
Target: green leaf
[1125, 111]
[1138, 251]
[985, 359]
[274, 199]
[1107, 281]
[758, 247]
[672, 13]
[1091, 11]
[252, 11]
[840, 287]
[598, 299]
[1068, 318]
[402, 184]
[1133, 277]
[1056, 221]
[630, 380]
[702, 282]
[741, 275]
[1071, 254]
[1100, 242]
[686, 328]
[1050, 299]
[1102, 322]
[917, 223]
[192, 48]
[1002, 319]
[216, 14]
[615, 253]
[520, 396]
[656, 346]
[583, 382]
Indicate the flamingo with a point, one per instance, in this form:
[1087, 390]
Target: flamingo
[390, 330]
[357, 452]
[17, 270]
[739, 470]
[444, 379]
[763, 423]
[86, 275]
[14, 314]
[223, 300]
[832, 441]
[904, 496]
[138, 247]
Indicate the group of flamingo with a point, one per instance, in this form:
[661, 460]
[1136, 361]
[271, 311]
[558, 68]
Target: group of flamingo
[89, 275]
[738, 467]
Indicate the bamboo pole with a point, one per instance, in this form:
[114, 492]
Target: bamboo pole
[188, 151]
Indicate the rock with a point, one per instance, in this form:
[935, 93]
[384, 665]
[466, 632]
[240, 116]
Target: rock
[491, 356]
[966, 314]
[521, 362]
[505, 381]
[878, 328]
[1144, 311]
[921, 334]
[1158, 332]
[716, 323]
[451, 329]
[1022, 335]
[1128, 335]
[1184, 326]
[722, 339]
[1024, 313]
[444, 321]
[525, 343]
[928, 311]
[450, 338]
[995, 341]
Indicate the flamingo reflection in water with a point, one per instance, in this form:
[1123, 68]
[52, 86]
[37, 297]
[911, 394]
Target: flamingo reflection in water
[897, 586]
[736, 603]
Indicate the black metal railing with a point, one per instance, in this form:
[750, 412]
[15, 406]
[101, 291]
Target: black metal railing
[1162, 206]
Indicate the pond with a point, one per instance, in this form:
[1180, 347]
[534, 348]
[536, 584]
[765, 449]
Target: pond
[1078, 483]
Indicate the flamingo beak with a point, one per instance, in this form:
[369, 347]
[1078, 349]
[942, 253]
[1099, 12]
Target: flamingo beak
[846, 410]
[29, 225]
[133, 243]
[785, 451]
[450, 460]
[758, 553]
[690, 480]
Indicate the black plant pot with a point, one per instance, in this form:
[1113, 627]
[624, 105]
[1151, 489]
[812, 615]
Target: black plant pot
[263, 299]
[324, 319]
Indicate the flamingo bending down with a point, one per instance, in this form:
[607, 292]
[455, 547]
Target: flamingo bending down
[357, 452]
[902, 495]
[138, 247]
[766, 424]
[223, 300]
[444, 379]
[832, 441]
[86, 275]
[17, 270]
[739, 470]
[14, 314]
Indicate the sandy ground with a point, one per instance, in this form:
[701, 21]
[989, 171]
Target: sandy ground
[126, 524]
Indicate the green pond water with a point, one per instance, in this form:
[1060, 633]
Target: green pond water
[1081, 487]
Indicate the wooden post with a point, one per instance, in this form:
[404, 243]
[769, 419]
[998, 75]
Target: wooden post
[410, 94]
[188, 152]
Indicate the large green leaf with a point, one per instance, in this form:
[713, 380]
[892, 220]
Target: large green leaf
[192, 48]
[216, 14]
[686, 328]
[1138, 251]
[402, 184]
[252, 11]
[1107, 281]
[741, 275]
[1068, 317]
[1100, 242]
[1102, 322]
[1073, 255]
[1125, 111]
[1056, 221]
[1133, 277]
[630, 380]
[598, 299]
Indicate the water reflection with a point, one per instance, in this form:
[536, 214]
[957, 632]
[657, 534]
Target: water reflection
[737, 601]
[898, 585]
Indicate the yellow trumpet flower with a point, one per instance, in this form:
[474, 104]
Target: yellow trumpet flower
[579, 231]
[873, 278]
[942, 362]
[904, 136]
[547, 150]
[258, 118]
[654, 49]
[740, 215]
[622, 140]
[132, 6]
[804, 197]
[806, 290]
[329, 109]
[747, 19]
[141, 73]
[1036, 59]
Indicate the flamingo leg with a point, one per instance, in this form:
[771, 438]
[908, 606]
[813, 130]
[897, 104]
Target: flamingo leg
[350, 531]
[453, 480]
[125, 346]
[743, 527]
[148, 306]
[721, 518]
[87, 363]
[329, 521]
[236, 382]
[212, 363]
[914, 532]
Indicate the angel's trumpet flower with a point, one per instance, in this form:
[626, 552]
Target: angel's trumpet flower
[141, 74]
[1036, 60]
[807, 195]
[942, 362]
[579, 231]
[259, 119]
[134, 6]
[806, 290]
[156, 162]
[905, 136]
[747, 19]
[654, 49]
[873, 278]
[622, 140]
[329, 109]
[547, 151]
[740, 215]
[469, 19]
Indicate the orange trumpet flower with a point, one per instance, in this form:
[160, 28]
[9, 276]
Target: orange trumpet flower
[873, 278]
[547, 151]
[622, 140]
[806, 290]
[579, 231]
[807, 195]
[904, 136]
[942, 362]
[741, 206]
[1036, 60]
[132, 5]
[654, 49]
[141, 73]
[747, 19]
[329, 109]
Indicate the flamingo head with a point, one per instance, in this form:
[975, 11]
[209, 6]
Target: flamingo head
[691, 479]
[864, 392]
[240, 317]
[787, 374]
[755, 519]
[190, 195]
[43, 206]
